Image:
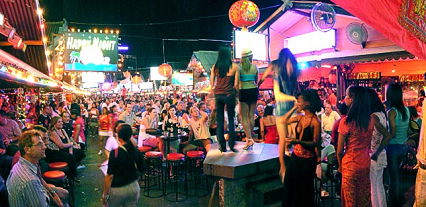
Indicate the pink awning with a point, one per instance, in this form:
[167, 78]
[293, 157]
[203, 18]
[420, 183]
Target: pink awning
[397, 20]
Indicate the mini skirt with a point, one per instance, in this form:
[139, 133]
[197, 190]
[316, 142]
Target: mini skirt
[250, 95]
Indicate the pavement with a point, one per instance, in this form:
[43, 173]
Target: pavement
[89, 191]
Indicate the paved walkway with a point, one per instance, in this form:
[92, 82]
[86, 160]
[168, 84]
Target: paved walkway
[89, 191]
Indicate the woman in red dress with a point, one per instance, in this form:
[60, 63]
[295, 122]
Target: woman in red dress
[267, 122]
[355, 132]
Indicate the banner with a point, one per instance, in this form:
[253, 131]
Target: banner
[90, 52]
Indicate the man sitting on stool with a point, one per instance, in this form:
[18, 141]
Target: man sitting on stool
[199, 131]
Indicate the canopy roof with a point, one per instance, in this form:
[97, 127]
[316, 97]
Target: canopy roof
[207, 59]
[22, 15]
[398, 20]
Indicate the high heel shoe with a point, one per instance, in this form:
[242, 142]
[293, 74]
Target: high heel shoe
[249, 146]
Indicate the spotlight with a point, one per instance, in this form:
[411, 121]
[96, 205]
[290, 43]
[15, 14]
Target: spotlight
[303, 65]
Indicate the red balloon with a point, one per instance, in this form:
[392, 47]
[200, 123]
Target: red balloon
[244, 14]
[165, 70]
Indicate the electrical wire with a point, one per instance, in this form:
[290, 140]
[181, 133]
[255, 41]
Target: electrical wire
[163, 23]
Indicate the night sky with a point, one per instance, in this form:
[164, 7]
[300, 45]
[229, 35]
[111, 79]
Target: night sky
[144, 23]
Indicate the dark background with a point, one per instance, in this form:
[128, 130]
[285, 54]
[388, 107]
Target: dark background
[143, 24]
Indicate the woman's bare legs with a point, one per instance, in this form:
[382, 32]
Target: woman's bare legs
[282, 132]
[245, 116]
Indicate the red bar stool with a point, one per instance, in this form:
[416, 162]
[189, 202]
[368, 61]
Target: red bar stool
[154, 173]
[176, 173]
[195, 161]
[63, 166]
[58, 178]
[143, 150]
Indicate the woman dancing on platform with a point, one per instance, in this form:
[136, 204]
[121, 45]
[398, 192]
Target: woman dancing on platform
[226, 75]
[249, 94]
[301, 167]
[285, 86]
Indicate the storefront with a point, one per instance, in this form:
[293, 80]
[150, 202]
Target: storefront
[355, 54]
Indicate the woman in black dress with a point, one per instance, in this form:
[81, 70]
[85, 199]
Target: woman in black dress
[300, 170]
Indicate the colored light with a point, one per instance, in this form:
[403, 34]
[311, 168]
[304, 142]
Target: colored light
[123, 48]
[1, 19]
[303, 65]
[39, 12]
[95, 30]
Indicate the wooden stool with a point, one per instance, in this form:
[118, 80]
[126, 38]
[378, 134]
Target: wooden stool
[154, 172]
[176, 173]
[195, 161]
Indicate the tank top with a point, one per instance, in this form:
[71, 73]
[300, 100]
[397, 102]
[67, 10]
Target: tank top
[247, 77]
[401, 127]
[63, 137]
[308, 135]
[104, 122]
[224, 85]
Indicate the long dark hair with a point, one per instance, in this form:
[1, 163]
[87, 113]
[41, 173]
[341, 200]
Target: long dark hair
[224, 61]
[394, 99]
[376, 103]
[268, 111]
[290, 81]
[312, 97]
[360, 110]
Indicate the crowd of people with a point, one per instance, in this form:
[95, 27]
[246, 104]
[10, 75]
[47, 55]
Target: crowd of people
[357, 137]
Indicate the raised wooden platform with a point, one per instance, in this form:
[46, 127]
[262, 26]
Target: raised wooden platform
[263, 158]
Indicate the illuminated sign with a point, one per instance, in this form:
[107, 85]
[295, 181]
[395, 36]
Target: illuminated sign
[313, 41]
[90, 52]
[179, 78]
[155, 75]
[146, 86]
[255, 41]
[92, 77]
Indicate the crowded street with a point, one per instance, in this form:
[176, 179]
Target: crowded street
[243, 103]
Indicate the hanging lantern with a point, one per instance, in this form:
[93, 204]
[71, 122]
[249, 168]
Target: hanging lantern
[332, 77]
[165, 70]
[244, 14]
[69, 97]
[136, 79]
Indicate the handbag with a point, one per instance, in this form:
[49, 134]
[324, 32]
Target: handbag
[154, 132]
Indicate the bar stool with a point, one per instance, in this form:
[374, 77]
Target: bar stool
[143, 150]
[176, 173]
[56, 177]
[195, 161]
[63, 166]
[154, 172]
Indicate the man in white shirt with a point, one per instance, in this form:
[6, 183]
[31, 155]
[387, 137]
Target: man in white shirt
[199, 128]
[328, 118]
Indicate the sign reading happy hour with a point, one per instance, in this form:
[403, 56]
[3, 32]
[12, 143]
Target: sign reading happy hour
[90, 52]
